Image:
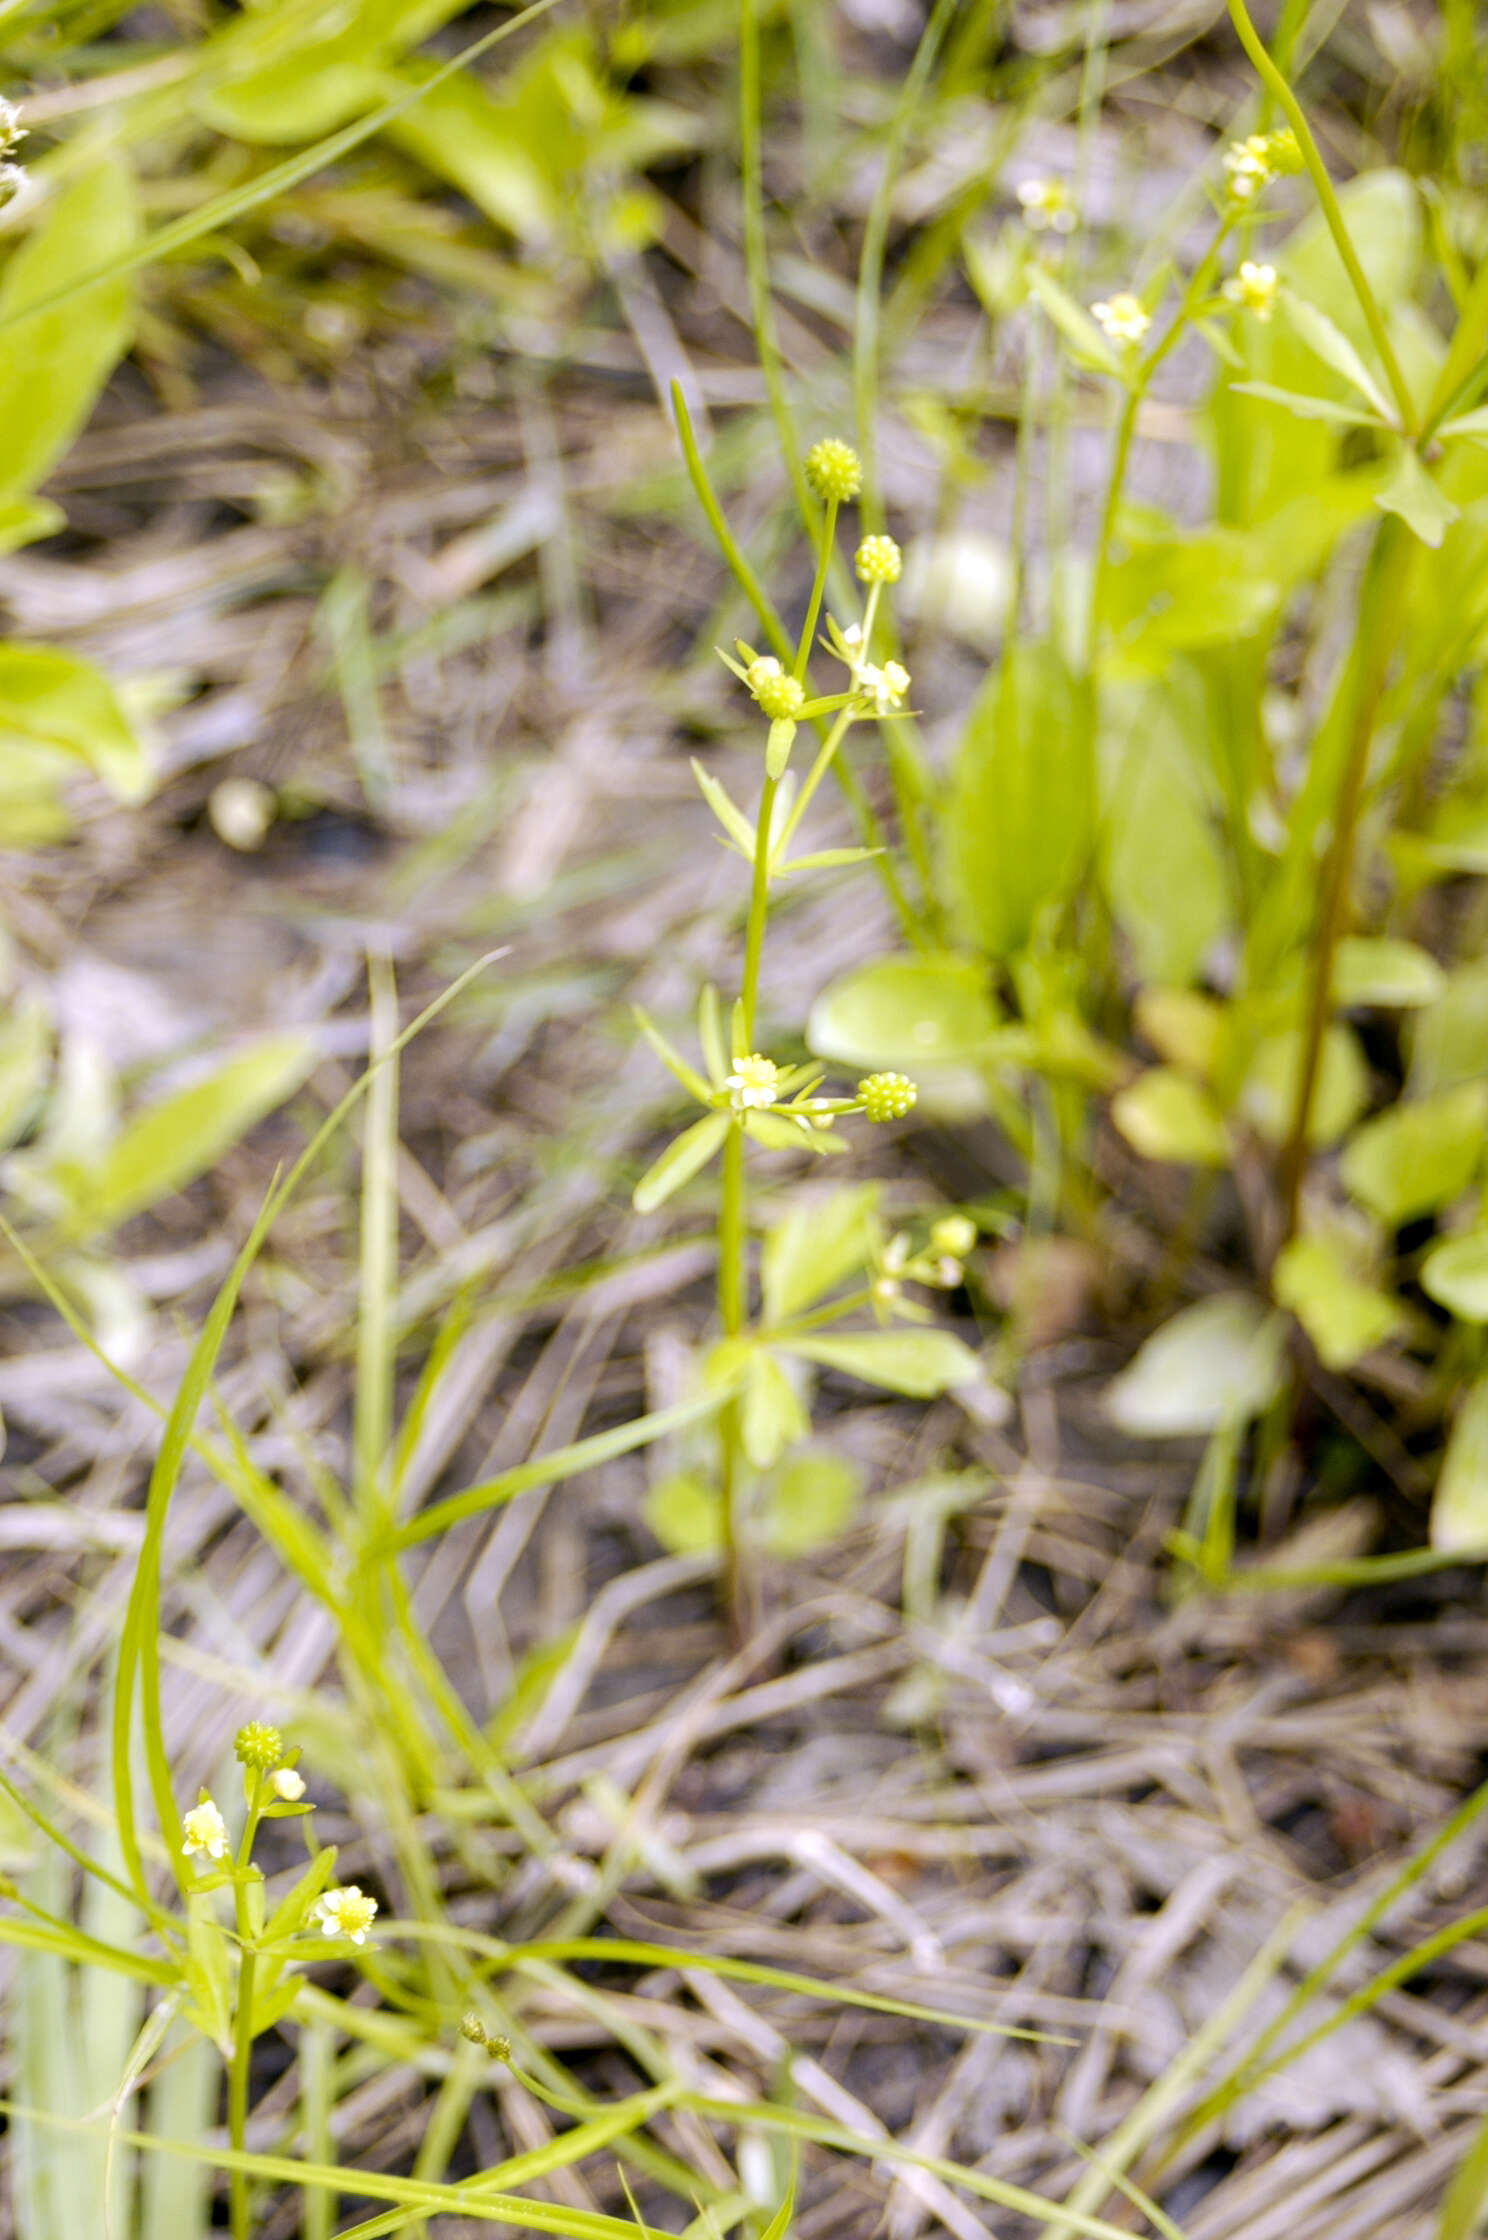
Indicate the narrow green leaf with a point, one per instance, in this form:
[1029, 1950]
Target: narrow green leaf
[726, 810]
[1332, 345]
[676, 1065]
[683, 1157]
[1308, 408]
[170, 1143]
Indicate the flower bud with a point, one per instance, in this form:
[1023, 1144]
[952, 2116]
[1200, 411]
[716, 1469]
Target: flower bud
[887, 1096]
[834, 470]
[878, 560]
[954, 1233]
[258, 1745]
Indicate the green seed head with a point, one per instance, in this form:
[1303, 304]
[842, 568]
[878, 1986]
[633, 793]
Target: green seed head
[834, 470]
[887, 1096]
[258, 1745]
[879, 560]
[778, 694]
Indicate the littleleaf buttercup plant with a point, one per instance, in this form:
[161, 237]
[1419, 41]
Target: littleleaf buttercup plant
[314, 1920]
[751, 1098]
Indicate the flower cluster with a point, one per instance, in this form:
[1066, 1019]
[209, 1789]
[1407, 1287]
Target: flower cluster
[1253, 287]
[775, 690]
[1251, 164]
[1048, 206]
[887, 1096]
[940, 1263]
[1122, 318]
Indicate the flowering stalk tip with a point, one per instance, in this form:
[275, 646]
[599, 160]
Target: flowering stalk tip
[834, 470]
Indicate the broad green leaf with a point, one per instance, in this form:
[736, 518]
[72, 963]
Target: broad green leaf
[53, 368]
[62, 705]
[810, 1502]
[685, 1156]
[169, 1144]
[1449, 1038]
[934, 1010]
[463, 135]
[25, 1058]
[771, 1415]
[1182, 1026]
[816, 1247]
[685, 1513]
[1321, 1280]
[1165, 1115]
[1459, 1507]
[1420, 502]
[1169, 590]
[1268, 1097]
[1390, 974]
[1418, 1156]
[1455, 1275]
[24, 519]
[1164, 872]
[1022, 811]
[1214, 1363]
[296, 71]
[921, 1363]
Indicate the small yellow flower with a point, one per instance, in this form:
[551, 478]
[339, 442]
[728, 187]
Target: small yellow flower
[345, 1913]
[886, 687]
[1253, 287]
[753, 1084]
[205, 1830]
[834, 470]
[12, 131]
[1122, 318]
[879, 560]
[287, 1785]
[1048, 206]
[777, 693]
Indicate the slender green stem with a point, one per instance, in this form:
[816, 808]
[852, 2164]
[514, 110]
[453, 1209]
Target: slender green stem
[756, 258]
[875, 246]
[1198, 288]
[817, 772]
[870, 831]
[242, 2054]
[1374, 646]
[823, 562]
[1276, 84]
[759, 903]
